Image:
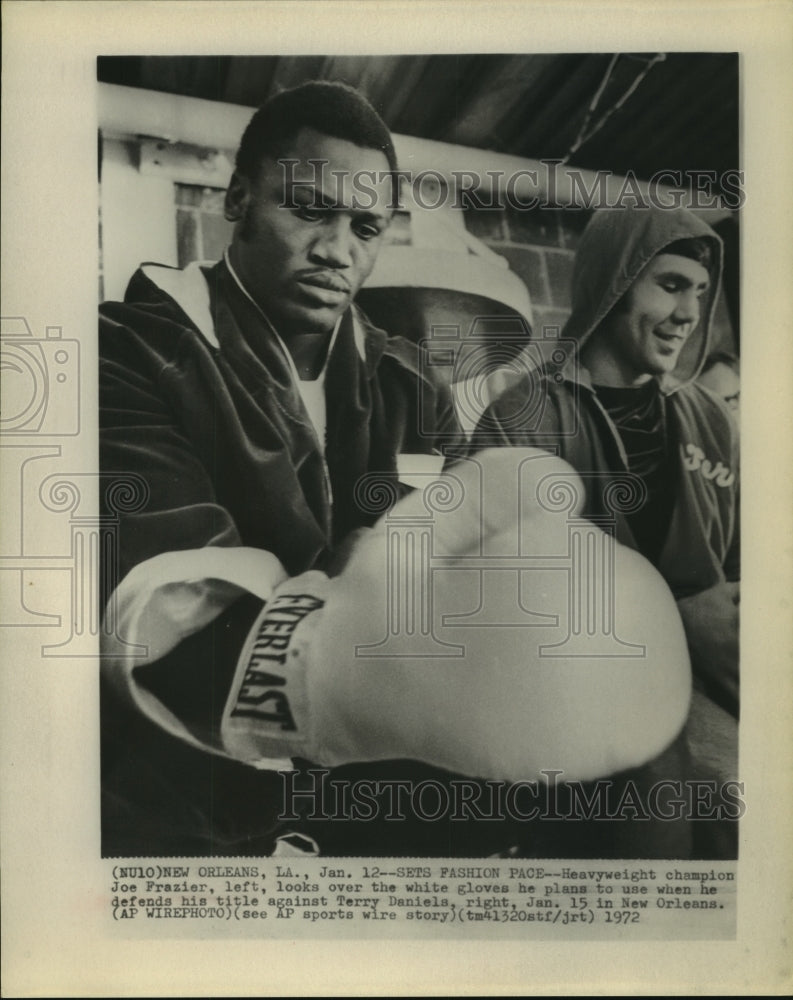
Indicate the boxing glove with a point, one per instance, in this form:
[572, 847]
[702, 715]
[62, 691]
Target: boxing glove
[496, 701]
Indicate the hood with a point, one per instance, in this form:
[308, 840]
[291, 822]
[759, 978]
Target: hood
[615, 247]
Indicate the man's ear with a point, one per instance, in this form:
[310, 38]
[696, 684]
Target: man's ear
[238, 196]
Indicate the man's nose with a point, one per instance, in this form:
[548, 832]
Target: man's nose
[333, 245]
[688, 307]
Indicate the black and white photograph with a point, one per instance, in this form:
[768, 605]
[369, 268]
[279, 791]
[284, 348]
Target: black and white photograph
[372, 566]
[381, 436]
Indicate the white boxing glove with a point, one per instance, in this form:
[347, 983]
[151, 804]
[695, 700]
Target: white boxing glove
[316, 679]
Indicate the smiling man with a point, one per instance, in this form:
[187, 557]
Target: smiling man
[657, 452]
[630, 356]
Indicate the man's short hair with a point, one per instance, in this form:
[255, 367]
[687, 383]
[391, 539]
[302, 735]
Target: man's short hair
[331, 108]
[696, 248]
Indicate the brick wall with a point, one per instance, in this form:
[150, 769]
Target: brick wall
[540, 247]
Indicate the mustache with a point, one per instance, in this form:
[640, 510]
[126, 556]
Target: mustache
[323, 278]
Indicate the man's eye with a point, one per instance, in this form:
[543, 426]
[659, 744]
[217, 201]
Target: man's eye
[367, 232]
[309, 212]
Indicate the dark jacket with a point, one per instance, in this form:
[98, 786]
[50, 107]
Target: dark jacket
[198, 408]
[212, 421]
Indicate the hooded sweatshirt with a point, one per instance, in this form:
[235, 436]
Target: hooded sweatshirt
[700, 547]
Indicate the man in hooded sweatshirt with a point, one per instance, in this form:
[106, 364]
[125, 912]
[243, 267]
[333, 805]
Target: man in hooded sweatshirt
[625, 409]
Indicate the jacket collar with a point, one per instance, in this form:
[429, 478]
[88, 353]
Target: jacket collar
[189, 289]
[574, 371]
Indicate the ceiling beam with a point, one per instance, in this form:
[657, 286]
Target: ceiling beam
[516, 180]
